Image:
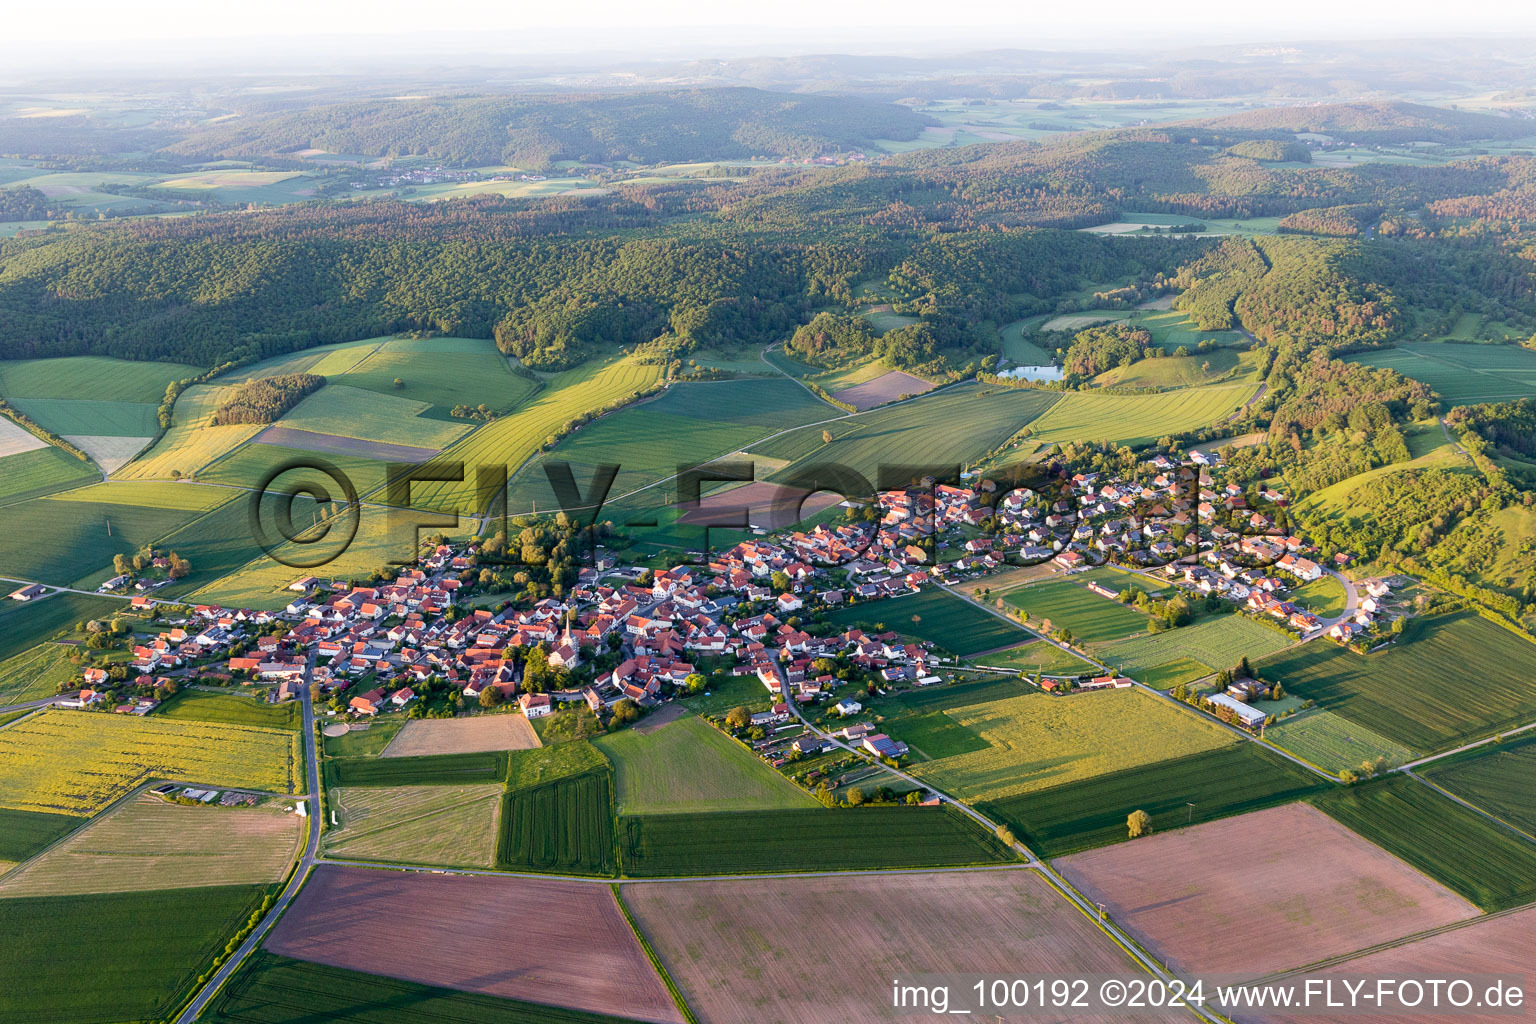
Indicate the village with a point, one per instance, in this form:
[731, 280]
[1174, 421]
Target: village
[627, 640]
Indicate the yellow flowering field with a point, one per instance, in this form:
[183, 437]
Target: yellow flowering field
[75, 762]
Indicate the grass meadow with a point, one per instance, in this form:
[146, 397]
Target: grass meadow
[148, 843]
[935, 615]
[1038, 741]
[1333, 742]
[1067, 603]
[689, 765]
[1462, 374]
[41, 471]
[1180, 655]
[1137, 419]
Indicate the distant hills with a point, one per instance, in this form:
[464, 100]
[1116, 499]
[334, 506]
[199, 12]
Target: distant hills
[1376, 123]
[535, 131]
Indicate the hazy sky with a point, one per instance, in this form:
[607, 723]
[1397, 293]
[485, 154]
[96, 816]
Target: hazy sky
[34, 30]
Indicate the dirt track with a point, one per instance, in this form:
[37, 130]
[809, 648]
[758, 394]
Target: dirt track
[550, 942]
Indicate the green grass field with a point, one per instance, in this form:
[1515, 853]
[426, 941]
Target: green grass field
[70, 417]
[815, 839]
[368, 741]
[1017, 346]
[152, 494]
[72, 763]
[1452, 678]
[241, 187]
[1202, 368]
[70, 543]
[238, 707]
[372, 416]
[37, 673]
[529, 768]
[1067, 603]
[1496, 778]
[24, 834]
[24, 626]
[438, 371]
[933, 735]
[431, 770]
[950, 696]
[1331, 741]
[1484, 862]
[446, 825]
[1137, 419]
[949, 427]
[690, 424]
[1228, 780]
[1038, 741]
[249, 466]
[1322, 597]
[90, 378]
[1165, 659]
[562, 827]
[146, 950]
[41, 471]
[689, 765]
[271, 989]
[1038, 656]
[1462, 374]
[950, 622]
[511, 440]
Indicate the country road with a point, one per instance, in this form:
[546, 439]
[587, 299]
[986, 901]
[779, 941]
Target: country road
[300, 872]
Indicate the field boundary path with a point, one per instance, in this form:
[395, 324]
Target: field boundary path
[301, 870]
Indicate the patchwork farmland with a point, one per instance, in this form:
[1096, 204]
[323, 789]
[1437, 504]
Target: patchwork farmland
[435, 930]
[1462, 374]
[149, 843]
[709, 935]
[147, 950]
[1450, 679]
[1333, 892]
[813, 839]
[1410, 820]
[689, 765]
[1178, 791]
[451, 825]
[70, 763]
[1039, 741]
[1137, 419]
[1496, 777]
[1498, 946]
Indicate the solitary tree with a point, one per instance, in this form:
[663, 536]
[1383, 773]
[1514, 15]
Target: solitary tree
[399, 384]
[738, 718]
[1139, 823]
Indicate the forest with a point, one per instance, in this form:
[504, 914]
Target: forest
[533, 132]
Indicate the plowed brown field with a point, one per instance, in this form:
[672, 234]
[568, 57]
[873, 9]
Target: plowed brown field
[1261, 892]
[551, 942]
